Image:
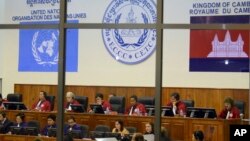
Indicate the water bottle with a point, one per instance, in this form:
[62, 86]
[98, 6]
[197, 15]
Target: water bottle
[107, 110]
[181, 113]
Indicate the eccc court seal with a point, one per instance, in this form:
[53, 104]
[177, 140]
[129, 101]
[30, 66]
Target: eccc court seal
[130, 46]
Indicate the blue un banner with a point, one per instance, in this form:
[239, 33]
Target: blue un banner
[39, 50]
[239, 132]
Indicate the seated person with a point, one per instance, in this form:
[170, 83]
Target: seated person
[178, 107]
[135, 108]
[1, 102]
[119, 128]
[137, 137]
[149, 127]
[20, 121]
[99, 100]
[42, 104]
[72, 125]
[51, 123]
[5, 122]
[197, 136]
[70, 97]
[230, 111]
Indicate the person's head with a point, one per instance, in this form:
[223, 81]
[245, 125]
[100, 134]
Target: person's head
[71, 121]
[198, 136]
[228, 103]
[99, 98]
[51, 119]
[137, 137]
[175, 97]
[70, 96]
[67, 137]
[2, 115]
[42, 95]
[133, 99]
[149, 127]
[119, 125]
[20, 118]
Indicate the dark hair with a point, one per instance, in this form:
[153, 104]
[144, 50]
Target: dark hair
[138, 137]
[121, 123]
[44, 94]
[134, 97]
[152, 126]
[229, 100]
[176, 95]
[21, 115]
[3, 114]
[198, 135]
[99, 95]
[51, 116]
[73, 118]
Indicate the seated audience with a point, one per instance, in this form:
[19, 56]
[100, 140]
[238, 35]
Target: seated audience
[5, 123]
[20, 120]
[99, 100]
[137, 137]
[51, 123]
[72, 125]
[119, 128]
[135, 108]
[70, 97]
[197, 136]
[41, 104]
[149, 127]
[178, 107]
[230, 111]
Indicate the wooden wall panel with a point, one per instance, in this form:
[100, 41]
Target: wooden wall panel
[203, 97]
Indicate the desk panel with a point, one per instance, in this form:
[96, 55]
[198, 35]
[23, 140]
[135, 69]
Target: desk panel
[179, 128]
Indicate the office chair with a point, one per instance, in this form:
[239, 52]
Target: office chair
[117, 103]
[51, 99]
[83, 100]
[14, 97]
[240, 105]
[188, 103]
[147, 101]
[85, 131]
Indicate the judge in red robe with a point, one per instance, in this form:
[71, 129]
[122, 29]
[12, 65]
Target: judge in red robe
[42, 104]
[135, 108]
[230, 111]
[70, 97]
[178, 107]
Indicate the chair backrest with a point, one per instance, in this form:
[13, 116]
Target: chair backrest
[83, 100]
[51, 99]
[188, 103]
[14, 97]
[147, 100]
[102, 128]
[117, 103]
[131, 129]
[240, 105]
[85, 131]
[34, 123]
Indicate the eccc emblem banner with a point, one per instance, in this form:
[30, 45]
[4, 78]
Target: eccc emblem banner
[38, 50]
[130, 46]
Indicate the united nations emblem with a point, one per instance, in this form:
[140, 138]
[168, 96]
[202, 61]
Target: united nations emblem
[45, 47]
[130, 46]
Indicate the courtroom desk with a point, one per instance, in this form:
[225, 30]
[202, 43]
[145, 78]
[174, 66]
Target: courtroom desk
[179, 128]
[31, 138]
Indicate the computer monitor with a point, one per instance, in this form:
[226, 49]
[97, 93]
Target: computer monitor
[33, 131]
[97, 108]
[114, 135]
[96, 134]
[17, 130]
[200, 112]
[167, 111]
[150, 110]
[14, 106]
[52, 132]
[77, 134]
[77, 108]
